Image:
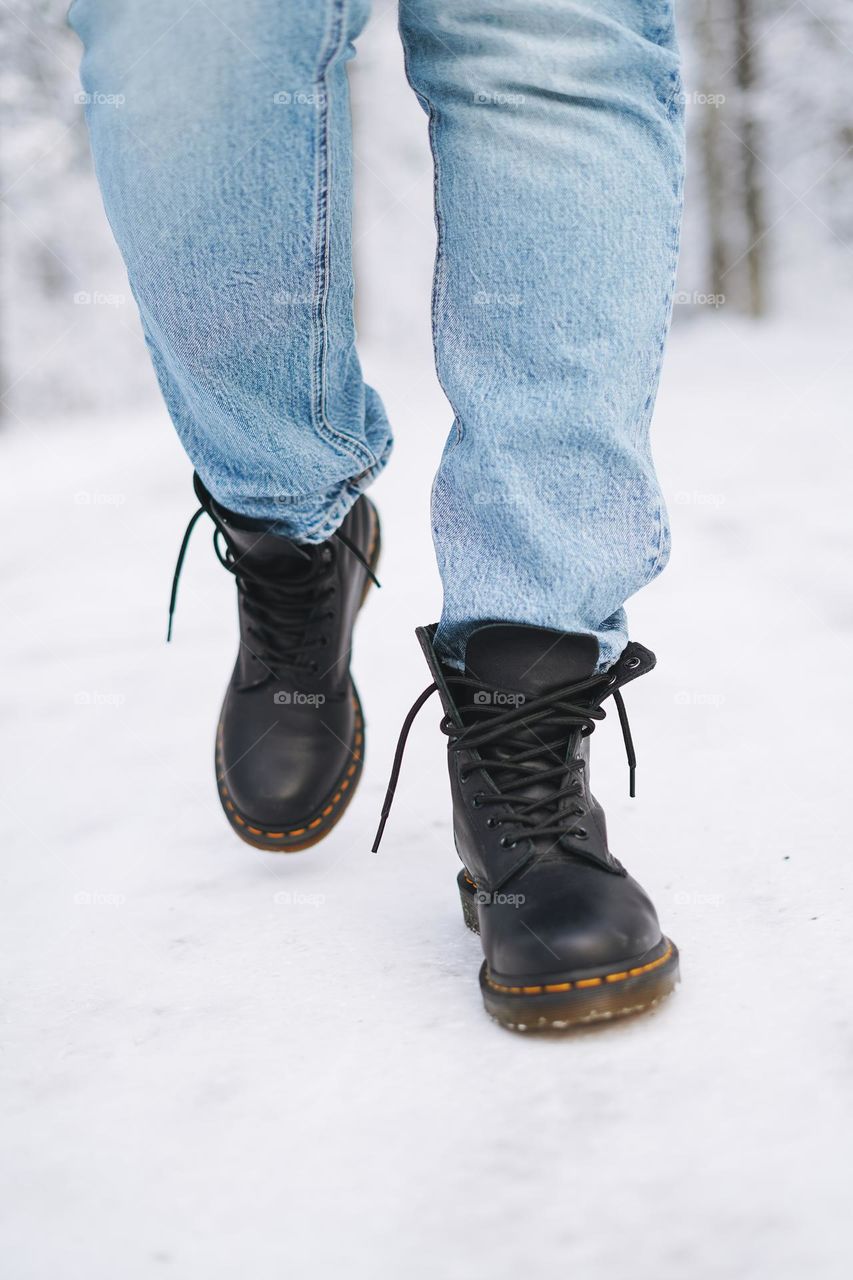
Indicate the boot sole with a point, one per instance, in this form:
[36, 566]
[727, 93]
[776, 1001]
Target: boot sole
[296, 837]
[576, 999]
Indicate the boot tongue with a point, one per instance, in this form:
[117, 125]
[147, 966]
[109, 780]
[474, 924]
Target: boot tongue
[529, 660]
[262, 547]
[254, 540]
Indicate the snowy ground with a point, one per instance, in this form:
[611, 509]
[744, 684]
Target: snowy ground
[219, 1062]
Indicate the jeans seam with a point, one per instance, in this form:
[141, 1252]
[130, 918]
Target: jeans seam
[657, 563]
[345, 443]
[439, 282]
[439, 276]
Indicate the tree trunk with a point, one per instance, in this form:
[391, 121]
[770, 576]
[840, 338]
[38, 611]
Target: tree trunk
[714, 171]
[752, 191]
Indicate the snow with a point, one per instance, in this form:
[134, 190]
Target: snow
[217, 1059]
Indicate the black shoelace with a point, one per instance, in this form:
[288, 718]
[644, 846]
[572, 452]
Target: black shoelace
[287, 615]
[529, 745]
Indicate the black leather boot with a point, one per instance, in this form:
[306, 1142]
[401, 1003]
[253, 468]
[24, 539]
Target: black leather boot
[290, 742]
[569, 937]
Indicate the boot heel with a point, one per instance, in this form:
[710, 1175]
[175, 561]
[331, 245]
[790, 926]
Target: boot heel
[469, 902]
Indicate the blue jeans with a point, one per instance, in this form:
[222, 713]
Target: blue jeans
[221, 135]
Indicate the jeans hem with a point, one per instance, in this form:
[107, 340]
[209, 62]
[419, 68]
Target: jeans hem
[306, 517]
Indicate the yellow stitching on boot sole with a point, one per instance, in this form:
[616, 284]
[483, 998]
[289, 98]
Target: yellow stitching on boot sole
[552, 987]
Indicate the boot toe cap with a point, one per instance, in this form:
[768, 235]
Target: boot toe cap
[552, 924]
[282, 767]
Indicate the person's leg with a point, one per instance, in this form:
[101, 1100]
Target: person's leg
[221, 137]
[556, 132]
[557, 135]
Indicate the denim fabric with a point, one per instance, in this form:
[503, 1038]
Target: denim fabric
[557, 137]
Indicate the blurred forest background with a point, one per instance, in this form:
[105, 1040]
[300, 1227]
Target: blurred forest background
[768, 225]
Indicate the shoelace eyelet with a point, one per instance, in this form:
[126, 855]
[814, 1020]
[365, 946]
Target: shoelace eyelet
[493, 822]
[507, 843]
[579, 833]
[632, 663]
[477, 800]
